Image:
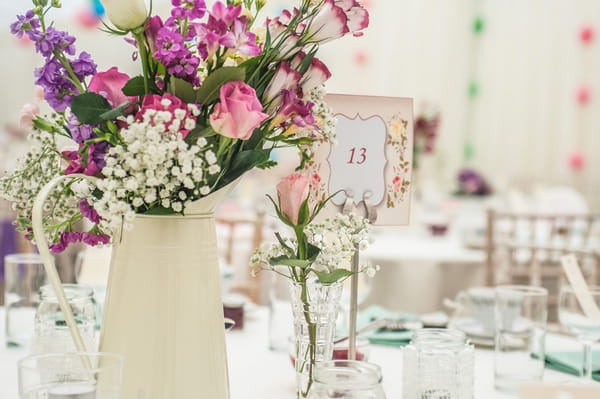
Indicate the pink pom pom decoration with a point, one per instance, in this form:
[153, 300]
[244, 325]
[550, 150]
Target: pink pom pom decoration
[577, 161]
[586, 34]
[583, 95]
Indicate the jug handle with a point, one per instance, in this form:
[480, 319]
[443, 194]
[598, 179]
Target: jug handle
[48, 259]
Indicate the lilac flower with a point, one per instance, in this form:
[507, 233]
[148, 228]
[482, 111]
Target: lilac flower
[80, 132]
[88, 212]
[191, 9]
[84, 65]
[54, 40]
[175, 56]
[28, 24]
[244, 41]
[58, 90]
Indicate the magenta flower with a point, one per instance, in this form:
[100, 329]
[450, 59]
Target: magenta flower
[88, 212]
[110, 85]
[172, 52]
[337, 18]
[238, 113]
[153, 25]
[285, 78]
[315, 76]
[191, 9]
[94, 162]
[71, 237]
[166, 102]
[294, 112]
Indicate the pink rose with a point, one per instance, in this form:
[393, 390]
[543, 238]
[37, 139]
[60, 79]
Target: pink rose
[238, 113]
[110, 84]
[292, 192]
[28, 114]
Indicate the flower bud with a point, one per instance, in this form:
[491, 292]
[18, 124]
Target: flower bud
[126, 14]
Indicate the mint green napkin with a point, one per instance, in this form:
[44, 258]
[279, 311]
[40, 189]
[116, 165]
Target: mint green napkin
[570, 362]
[388, 338]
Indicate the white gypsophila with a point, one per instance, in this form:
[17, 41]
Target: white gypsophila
[337, 238]
[323, 114]
[153, 167]
[40, 165]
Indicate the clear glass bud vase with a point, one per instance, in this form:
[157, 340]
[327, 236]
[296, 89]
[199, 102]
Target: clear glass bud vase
[314, 307]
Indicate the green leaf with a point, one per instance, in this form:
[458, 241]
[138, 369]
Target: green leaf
[135, 87]
[209, 91]
[159, 210]
[243, 162]
[197, 132]
[285, 261]
[89, 107]
[182, 89]
[312, 251]
[303, 212]
[115, 112]
[336, 275]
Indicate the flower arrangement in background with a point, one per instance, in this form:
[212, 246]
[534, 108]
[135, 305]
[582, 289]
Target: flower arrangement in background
[217, 93]
[426, 127]
[471, 182]
[318, 252]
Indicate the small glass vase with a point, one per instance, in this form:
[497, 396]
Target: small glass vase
[51, 333]
[438, 364]
[347, 379]
[314, 307]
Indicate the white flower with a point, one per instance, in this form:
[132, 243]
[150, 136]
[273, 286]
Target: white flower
[126, 14]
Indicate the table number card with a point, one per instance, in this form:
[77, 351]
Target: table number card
[372, 159]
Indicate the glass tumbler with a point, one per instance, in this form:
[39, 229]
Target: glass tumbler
[347, 379]
[70, 376]
[438, 364]
[51, 333]
[25, 275]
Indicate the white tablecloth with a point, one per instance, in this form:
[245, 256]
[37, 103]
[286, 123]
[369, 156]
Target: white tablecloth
[257, 373]
[419, 270]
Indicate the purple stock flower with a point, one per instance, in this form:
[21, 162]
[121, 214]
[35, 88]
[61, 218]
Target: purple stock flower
[58, 91]
[28, 24]
[94, 239]
[88, 212]
[79, 131]
[92, 165]
[54, 40]
[84, 65]
[175, 56]
[191, 9]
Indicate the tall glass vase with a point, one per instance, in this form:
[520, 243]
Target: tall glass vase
[314, 307]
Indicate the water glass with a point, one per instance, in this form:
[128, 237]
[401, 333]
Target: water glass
[521, 314]
[70, 376]
[347, 379]
[438, 364]
[24, 276]
[51, 333]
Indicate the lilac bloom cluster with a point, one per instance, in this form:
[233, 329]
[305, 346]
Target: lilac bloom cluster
[54, 46]
[180, 42]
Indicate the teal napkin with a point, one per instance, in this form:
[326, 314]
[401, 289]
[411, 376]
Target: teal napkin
[388, 338]
[570, 362]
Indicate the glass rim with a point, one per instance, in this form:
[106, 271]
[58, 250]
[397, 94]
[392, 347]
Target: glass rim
[23, 258]
[85, 291]
[530, 290]
[116, 360]
[321, 369]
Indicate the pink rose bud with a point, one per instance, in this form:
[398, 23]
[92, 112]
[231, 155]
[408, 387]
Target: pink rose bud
[238, 113]
[292, 191]
[110, 84]
[28, 114]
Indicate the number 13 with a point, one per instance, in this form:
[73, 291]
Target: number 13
[361, 157]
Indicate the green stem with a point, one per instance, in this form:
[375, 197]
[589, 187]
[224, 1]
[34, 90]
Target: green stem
[312, 336]
[140, 38]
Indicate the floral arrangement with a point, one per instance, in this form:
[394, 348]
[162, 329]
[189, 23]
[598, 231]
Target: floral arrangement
[426, 127]
[471, 182]
[320, 250]
[217, 92]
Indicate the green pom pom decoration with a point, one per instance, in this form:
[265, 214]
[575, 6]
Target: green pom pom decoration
[478, 25]
[468, 151]
[473, 89]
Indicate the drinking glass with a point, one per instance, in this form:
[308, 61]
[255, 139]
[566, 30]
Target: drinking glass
[586, 329]
[70, 376]
[521, 314]
[25, 275]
